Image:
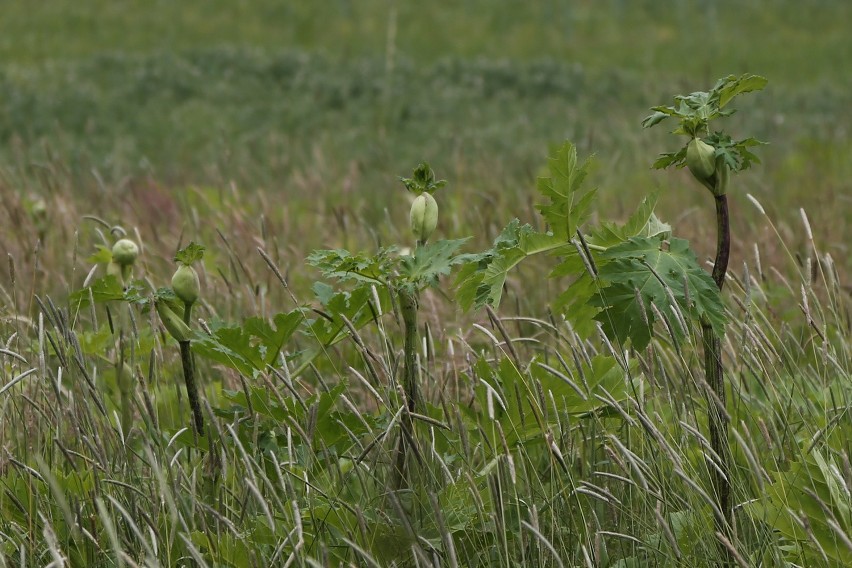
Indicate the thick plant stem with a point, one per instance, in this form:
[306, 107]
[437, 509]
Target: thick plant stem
[408, 307]
[723, 241]
[189, 376]
[718, 416]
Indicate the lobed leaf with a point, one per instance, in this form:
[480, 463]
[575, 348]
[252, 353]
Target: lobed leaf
[643, 271]
[250, 347]
[190, 254]
[567, 207]
[431, 261]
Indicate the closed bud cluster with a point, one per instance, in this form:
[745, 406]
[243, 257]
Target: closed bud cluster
[701, 161]
[124, 252]
[173, 323]
[706, 167]
[185, 284]
[423, 216]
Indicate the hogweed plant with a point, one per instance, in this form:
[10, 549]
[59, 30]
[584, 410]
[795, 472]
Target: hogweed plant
[172, 305]
[187, 289]
[626, 280]
[402, 275]
[123, 256]
[711, 157]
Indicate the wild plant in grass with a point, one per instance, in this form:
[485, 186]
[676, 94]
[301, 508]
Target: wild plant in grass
[187, 289]
[711, 157]
[124, 254]
[557, 442]
[627, 282]
[403, 276]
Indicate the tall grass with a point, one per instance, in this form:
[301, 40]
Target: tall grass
[527, 451]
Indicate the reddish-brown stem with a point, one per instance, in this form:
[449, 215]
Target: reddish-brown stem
[718, 416]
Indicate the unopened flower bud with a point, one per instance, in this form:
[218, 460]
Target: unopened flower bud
[124, 252]
[423, 216]
[185, 284]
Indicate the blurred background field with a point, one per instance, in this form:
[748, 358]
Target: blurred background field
[311, 110]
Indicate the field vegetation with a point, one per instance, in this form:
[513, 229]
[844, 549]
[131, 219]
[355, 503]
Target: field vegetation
[522, 385]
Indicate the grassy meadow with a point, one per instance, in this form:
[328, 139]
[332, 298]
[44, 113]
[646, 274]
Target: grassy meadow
[362, 406]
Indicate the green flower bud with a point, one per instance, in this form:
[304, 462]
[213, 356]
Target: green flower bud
[701, 161]
[423, 216]
[39, 209]
[186, 285]
[124, 252]
[124, 378]
[723, 173]
[173, 323]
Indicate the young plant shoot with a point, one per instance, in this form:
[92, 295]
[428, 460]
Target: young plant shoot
[124, 254]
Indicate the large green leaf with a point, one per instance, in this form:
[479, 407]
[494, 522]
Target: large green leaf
[481, 280]
[585, 391]
[642, 222]
[432, 260]
[574, 301]
[250, 347]
[651, 270]
[356, 305]
[731, 86]
[567, 207]
[106, 289]
[807, 502]
[358, 267]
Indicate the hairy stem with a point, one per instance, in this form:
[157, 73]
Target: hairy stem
[408, 307]
[718, 416]
[189, 376]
